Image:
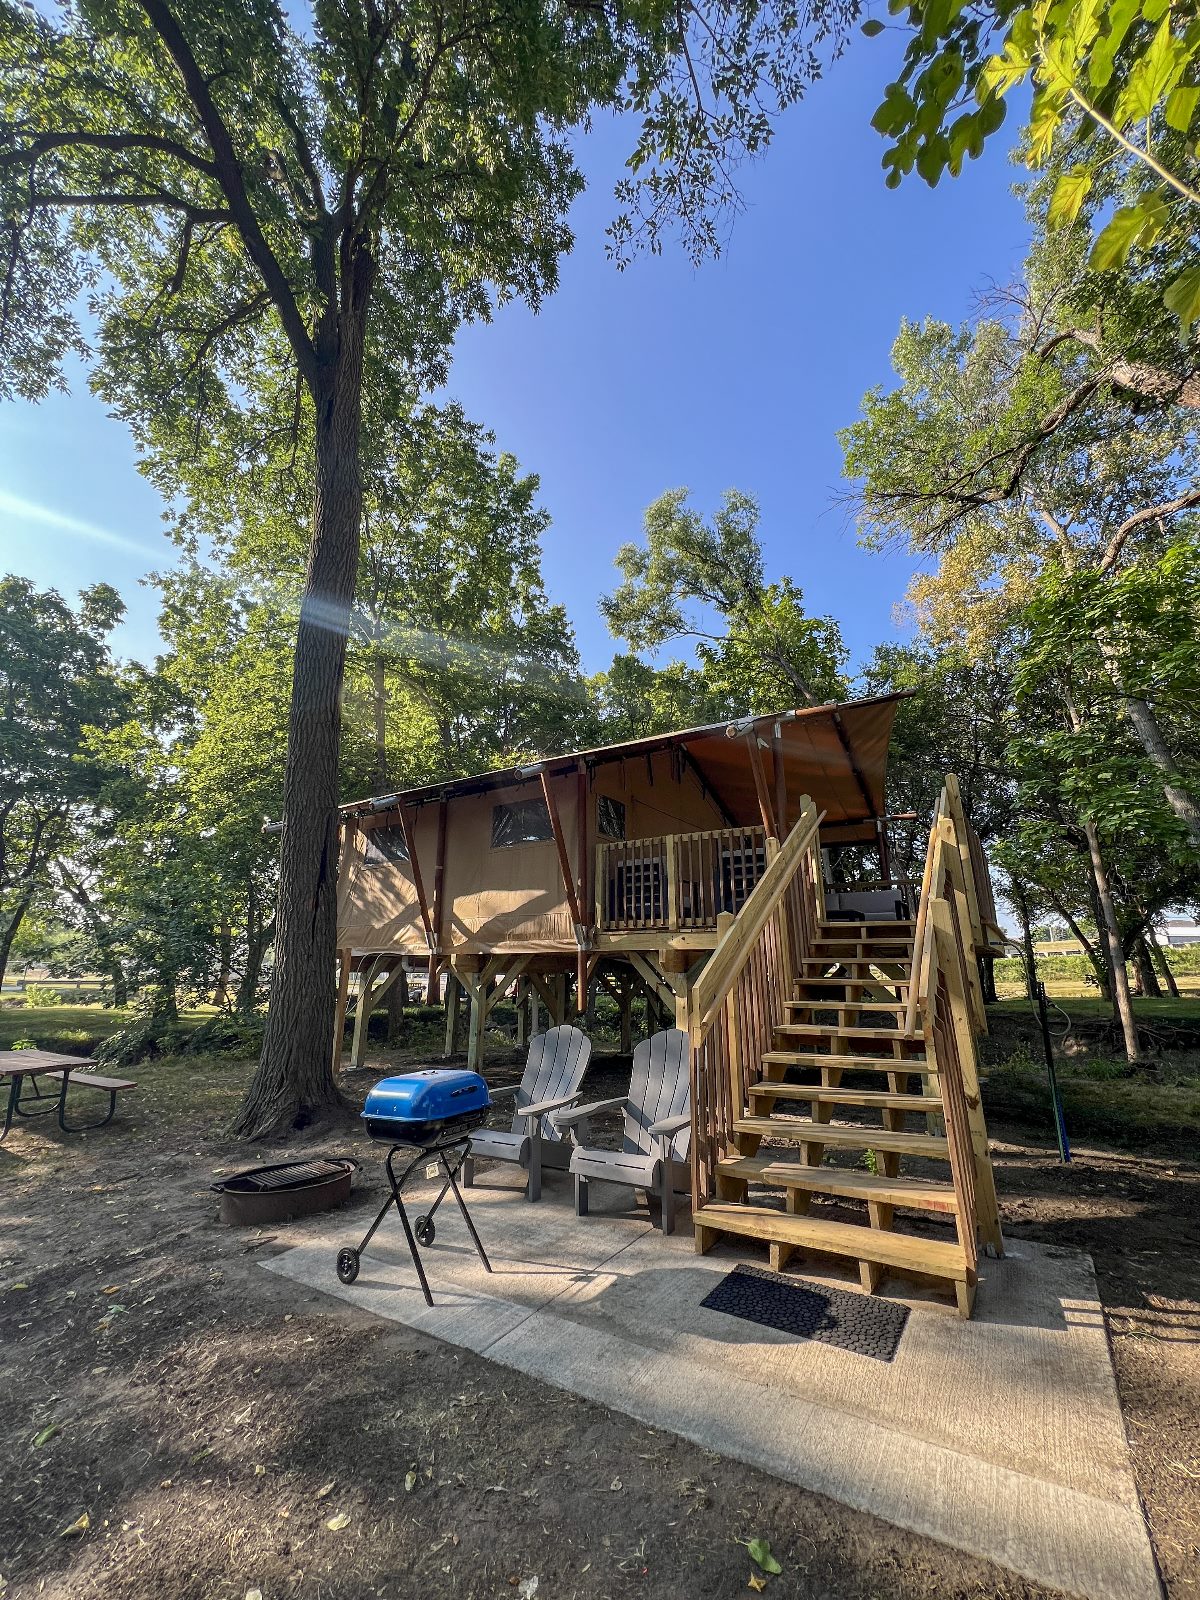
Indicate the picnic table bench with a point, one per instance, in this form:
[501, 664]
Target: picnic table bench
[31, 1065]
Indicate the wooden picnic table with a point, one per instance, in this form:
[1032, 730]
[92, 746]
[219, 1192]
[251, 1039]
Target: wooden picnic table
[22, 1065]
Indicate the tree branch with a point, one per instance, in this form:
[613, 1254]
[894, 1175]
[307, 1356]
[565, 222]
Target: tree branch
[46, 142]
[227, 171]
[1147, 514]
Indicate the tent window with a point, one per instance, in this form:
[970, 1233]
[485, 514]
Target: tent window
[526, 822]
[384, 846]
[610, 817]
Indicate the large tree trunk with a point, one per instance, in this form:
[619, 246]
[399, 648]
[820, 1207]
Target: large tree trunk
[382, 783]
[10, 927]
[1111, 934]
[224, 966]
[1145, 725]
[294, 1084]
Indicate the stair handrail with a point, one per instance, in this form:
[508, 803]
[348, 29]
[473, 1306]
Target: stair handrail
[732, 951]
[951, 856]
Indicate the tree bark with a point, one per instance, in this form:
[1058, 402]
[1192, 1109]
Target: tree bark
[1021, 905]
[379, 719]
[1164, 966]
[1146, 725]
[12, 927]
[1144, 968]
[1122, 1005]
[225, 966]
[294, 1084]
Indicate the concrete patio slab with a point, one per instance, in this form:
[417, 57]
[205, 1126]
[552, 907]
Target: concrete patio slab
[1002, 1436]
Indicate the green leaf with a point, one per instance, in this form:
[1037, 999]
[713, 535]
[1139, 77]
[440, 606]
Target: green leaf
[760, 1553]
[46, 1435]
[1183, 298]
[1070, 192]
[1152, 76]
[1117, 239]
[894, 115]
[1181, 108]
[872, 27]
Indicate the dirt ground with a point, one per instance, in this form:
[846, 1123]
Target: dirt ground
[179, 1424]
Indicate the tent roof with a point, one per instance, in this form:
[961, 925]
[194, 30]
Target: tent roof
[835, 753]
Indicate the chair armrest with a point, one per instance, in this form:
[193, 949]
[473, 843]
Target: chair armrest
[669, 1126]
[566, 1119]
[509, 1088]
[542, 1106]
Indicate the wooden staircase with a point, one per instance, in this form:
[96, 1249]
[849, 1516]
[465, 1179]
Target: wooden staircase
[833, 1094]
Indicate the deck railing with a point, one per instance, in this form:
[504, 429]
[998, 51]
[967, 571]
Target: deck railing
[945, 1004]
[675, 881]
[739, 997]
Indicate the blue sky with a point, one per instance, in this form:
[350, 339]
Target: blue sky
[736, 374]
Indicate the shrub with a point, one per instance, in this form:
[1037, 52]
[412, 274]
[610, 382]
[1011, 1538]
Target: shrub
[41, 994]
[232, 1037]
[144, 1039]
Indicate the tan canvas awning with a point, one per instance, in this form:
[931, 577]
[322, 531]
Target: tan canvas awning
[835, 753]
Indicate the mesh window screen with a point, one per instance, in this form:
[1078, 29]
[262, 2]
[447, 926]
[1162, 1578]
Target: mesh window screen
[525, 822]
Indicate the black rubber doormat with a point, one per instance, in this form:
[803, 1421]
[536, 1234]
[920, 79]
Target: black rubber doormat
[857, 1322]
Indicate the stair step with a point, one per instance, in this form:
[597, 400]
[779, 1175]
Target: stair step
[800, 1058]
[845, 1137]
[828, 926]
[845, 1183]
[832, 980]
[874, 1099]
[905, 1251]
[846, 1031]
[863, 964]
[818, 1003]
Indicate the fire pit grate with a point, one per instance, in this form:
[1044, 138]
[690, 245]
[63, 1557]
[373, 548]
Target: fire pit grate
[286, 1189]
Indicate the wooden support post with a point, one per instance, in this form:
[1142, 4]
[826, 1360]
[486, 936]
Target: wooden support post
[477, 1023]
[362, 1006]
[625, 1005]
[781, 806]
[343, 997]
[760, 786]
[454, 993]
[438, 914]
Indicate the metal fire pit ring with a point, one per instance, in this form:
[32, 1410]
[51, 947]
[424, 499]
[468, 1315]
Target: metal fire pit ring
[284, 1190]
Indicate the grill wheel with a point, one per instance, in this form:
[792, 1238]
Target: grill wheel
[347, 1264]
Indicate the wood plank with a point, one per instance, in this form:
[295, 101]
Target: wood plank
[797, 1131]
[869, 1099]
[905, 1251]
[919, 1194]
[801, 1058]
[847, 1031]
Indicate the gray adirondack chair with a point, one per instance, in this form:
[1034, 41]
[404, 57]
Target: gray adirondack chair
[657, 1132]
[554, 1070]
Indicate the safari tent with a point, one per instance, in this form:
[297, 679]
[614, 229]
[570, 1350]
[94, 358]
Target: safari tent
[608, 865]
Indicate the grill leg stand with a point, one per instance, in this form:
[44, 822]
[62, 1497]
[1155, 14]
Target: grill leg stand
[462, 1206]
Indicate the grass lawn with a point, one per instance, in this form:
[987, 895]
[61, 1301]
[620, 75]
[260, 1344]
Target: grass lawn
[73, 1030]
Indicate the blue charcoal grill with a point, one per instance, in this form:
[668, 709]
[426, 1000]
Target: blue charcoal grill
[434, 1113]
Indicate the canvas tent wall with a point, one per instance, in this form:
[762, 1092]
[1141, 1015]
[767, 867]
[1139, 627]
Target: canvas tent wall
[489, 878]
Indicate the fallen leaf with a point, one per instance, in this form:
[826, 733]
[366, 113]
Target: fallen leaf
[338, 1522]
[259, 1469]
[253, 1594]
[755, 1582]
[615, 1485]
[527, 1588]
[46, 1434]
[80, 1525]
[326, 1489]
[18, 1286]
[410, 1482]
[759, 1551]
[113, 1288]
